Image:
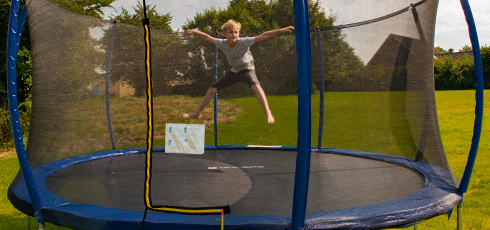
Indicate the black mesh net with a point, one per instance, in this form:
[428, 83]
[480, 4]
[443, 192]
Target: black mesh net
[378, 82]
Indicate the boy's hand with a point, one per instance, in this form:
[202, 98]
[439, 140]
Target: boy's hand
[288, 29]
[189, 31]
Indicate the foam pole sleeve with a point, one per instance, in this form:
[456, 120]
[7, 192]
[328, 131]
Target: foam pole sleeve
[303, 48]
[463, 186]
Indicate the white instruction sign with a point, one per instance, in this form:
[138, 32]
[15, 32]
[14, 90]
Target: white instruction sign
[184, 138]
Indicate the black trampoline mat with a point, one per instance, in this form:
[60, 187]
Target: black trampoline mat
[252, 182]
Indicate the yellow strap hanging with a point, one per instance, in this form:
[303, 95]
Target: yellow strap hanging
[149, 151]
[149, 140]
[222, 220]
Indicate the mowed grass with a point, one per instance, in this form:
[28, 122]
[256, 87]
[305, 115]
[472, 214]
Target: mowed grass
[456, 118]
[455, 113]
[364, 121]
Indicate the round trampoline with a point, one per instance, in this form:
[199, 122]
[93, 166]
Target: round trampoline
[366, 87]
[256, 185]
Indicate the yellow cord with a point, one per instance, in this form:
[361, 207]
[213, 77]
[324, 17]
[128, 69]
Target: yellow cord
[222, 220]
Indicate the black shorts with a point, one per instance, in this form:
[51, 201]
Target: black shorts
[246, 76]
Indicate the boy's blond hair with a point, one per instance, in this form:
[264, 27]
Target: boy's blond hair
[231, 24]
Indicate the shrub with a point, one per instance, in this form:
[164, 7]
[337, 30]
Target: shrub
[450, 74]
[6, 138]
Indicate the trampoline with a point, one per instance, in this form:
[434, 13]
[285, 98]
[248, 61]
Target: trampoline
[379, 162]
[258, 186]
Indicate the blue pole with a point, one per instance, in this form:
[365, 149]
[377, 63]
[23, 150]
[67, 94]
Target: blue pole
[321, 83]
[216, 95]
[463, 186]
[303, 48]
[13, 41]
[108, 88]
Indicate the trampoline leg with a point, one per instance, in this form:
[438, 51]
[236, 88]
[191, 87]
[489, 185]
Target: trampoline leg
[460, 215]
[415, 227]
[40, 226]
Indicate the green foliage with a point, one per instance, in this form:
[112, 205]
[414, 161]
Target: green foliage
[454, 74]
[23, 78]
[24, 75]
[343, 69]
[6, 141]
[87, 7]
[441, 49]
[278, 64]
[157, 21]
[466, 48]
[4, 18]
[5, 130]
[164, 47]
[169, 55]
[24, 62]
[485, 58]
[256, 16]
[3, 82]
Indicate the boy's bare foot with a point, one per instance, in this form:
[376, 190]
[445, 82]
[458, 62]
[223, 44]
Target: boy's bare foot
[193, 115]
[270, 119]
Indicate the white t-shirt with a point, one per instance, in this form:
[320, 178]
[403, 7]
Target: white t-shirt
[239, 57]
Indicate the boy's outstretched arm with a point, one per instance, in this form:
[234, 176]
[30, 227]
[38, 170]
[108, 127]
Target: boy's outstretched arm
[201, 34]
[271, 33]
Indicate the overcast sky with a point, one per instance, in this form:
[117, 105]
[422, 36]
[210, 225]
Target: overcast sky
[451, 28]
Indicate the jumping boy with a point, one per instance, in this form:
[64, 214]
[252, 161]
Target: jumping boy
[237, 51]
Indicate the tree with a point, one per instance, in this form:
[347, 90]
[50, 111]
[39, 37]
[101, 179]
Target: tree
[276, 56]
[166, 48]
[451, 74]
[87, 7]
[157, 21]
[23, 76]
[440, 49]
[90, 7]
[23, 60]
[257, 16]
[485, 57]
[466, 48]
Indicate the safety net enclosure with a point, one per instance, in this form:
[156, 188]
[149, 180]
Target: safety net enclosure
[377, 159]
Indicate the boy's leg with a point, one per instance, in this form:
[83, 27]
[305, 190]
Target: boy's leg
[205, 101]
[259, 93]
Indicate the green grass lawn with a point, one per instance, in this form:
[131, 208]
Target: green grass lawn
[456, 117]
[455, 113]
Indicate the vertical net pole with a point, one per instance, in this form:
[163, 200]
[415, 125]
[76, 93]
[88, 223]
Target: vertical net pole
[303, 48]
[322, 87]
[108, 88]
[216, 95]
[13, 41]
